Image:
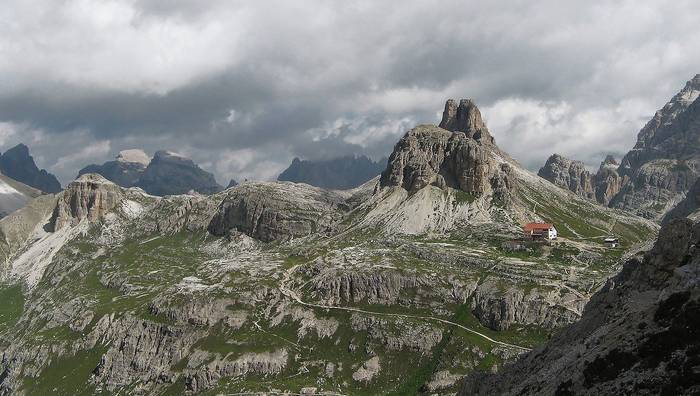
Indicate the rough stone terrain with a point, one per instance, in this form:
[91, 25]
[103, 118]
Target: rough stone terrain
[638, 335]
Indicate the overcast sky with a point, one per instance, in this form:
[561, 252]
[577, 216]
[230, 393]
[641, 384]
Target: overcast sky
[244, 86]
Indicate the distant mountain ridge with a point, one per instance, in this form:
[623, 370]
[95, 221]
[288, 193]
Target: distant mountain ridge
[167, 173]
[339, 173]
[19, 165]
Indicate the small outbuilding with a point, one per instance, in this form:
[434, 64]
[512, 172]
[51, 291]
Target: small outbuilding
[545, 231]
[612, 242]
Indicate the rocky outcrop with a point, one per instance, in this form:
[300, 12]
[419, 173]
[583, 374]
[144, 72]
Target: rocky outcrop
[664, 163]
[140, 351]
[19, 165]
[277, 211]
[264, 363]
[499, 307]
[125, 171]
[383, 287]
[169, 173]
[428, 155]
[640, 334]
[231, 184]
[398, 336]
[688, 207]
[465, 118]
[368, 370]
[568, 174]
[89, 197]
[338, 173]
[572, 175]
[607, 181]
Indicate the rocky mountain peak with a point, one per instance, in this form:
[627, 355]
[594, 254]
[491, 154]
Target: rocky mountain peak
[429, 155]
[665, 162]
[89, 198]
[19, 165]
[569, 174]
[170, 173]
[466, 118]
[609, 160]
[339, 173]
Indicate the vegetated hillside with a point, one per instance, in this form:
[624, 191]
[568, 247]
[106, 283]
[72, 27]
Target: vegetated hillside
[400, 286]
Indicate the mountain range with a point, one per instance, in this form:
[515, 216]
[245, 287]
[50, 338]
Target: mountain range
[167, 173]
[418, 281]
[402, 285]
[652, 177]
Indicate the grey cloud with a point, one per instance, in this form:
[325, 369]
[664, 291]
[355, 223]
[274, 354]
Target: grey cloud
[155, 74]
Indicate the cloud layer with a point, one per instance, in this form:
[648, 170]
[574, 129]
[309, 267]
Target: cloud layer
[243, 87]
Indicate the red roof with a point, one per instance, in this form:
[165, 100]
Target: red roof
[537, 226]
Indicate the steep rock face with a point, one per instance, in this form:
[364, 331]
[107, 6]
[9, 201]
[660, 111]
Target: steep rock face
[607, 181]
[466, 118]
[688, 207]
[568, 174]
[338, 173]
[89, 197]
[19, 165]
[172, 174]
[663, 165]
[640, 334]
[125, 171]
[277, 211]
[428, 155]
[500, 309]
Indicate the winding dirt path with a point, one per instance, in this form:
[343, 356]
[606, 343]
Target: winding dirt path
[293, 295]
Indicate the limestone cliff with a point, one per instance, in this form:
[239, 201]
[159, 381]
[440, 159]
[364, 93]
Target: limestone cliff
[277, 211]
[89, 197]
[663, 165]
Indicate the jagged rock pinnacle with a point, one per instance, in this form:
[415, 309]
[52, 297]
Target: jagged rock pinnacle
[466, 118]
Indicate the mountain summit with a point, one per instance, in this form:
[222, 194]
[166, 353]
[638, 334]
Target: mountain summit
[168, 173]
[338, 173]
[466, 118]
[18, 164]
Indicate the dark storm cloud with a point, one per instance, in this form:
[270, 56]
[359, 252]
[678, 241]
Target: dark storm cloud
[243, 87]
